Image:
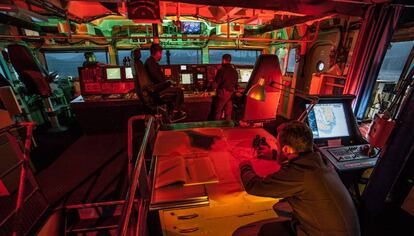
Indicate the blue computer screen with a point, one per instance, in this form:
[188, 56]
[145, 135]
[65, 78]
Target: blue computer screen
[328, 121]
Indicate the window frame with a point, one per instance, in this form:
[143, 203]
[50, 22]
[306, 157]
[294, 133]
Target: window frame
[67, 50]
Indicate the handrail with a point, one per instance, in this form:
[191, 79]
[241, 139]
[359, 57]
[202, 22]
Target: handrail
[24, 172]
[130, 142]
[139, 165]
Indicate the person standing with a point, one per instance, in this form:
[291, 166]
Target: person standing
[226, 81]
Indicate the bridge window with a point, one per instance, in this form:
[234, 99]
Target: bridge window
[2, 72]
[181, 56]
[145, 53]
[394, 61]
[238, 57]
[67, 63]
[291, 61]
[281, 54]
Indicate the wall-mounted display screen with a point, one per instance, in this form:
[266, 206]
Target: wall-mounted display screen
[186, 79]
[128, 73]
[113, 73]
[190, 27]
[183, 67]
[200, 76]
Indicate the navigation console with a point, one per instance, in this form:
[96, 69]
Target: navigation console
[337, 135]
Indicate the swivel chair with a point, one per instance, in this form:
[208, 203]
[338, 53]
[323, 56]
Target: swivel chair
[36, 79]
[151, 101]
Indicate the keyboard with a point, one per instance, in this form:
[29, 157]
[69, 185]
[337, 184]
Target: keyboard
[348, 153]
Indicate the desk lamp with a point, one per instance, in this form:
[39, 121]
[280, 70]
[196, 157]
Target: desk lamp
[257, 92]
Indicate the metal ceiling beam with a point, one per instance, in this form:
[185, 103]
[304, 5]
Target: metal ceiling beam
[229, 13]
[278, 24]
[10, 20]
[111, 1]
[310, 7]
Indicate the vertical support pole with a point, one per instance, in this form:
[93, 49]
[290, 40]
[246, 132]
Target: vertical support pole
[155, 33]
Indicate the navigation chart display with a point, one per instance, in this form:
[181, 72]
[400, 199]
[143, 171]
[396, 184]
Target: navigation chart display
[328, 121]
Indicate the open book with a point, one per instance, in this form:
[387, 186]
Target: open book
[185, 170]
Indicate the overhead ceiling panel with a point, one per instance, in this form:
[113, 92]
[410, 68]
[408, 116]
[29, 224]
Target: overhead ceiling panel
[85, 9]
[307, 7]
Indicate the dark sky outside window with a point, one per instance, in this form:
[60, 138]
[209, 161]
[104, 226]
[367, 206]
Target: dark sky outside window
[394, 61]
[238, 57]
[177, 57]
[67, 63]
[182, 56]
[291, 60]
[127, 53]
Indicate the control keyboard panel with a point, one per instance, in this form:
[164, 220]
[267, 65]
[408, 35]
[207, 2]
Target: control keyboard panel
[348, 153]
[350, 157]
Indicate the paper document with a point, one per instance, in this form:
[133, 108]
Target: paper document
[185, 170]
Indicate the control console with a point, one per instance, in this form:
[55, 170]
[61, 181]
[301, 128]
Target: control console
[349, 153]
[337, 135]
[350, 157]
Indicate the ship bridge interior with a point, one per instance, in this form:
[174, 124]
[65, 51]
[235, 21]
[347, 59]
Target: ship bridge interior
[186, 117]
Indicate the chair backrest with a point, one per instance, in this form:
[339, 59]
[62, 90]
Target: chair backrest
[30, 72]
[141, 77]
[267, 67]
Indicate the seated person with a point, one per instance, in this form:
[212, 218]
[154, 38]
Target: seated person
[226, 81]
[90, 60]
[174, 96]
[321, 204]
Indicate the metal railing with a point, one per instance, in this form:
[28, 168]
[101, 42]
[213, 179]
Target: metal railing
[138, 180]
[27, 187]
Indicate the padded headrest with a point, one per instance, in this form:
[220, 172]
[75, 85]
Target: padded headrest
[136, 54]
[267, 67]
[21, 58]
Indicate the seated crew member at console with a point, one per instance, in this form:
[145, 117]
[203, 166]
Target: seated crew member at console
[173, 95]
[91, 61]
[226, 81]
[321, 204]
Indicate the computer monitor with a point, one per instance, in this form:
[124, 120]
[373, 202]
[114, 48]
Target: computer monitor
[186, 79]
[244, 75]
[328, 120]
[128, 73]
[113, 73]
[190, 27]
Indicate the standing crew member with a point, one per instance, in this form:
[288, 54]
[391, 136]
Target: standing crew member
[227, 82]
[321, 204]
